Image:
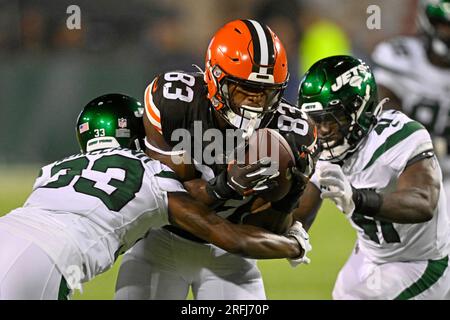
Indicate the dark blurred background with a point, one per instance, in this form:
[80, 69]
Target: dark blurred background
[48, 72]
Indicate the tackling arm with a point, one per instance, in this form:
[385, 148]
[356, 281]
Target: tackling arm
[416, 195]
[309, 205]
[245, 240]
[413, 201]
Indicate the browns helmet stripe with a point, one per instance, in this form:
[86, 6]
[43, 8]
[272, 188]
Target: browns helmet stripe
[271, 49]
[256, 45]
[263, 47]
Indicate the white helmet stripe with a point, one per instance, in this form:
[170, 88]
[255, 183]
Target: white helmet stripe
[263, 46]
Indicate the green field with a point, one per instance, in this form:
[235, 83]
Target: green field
[331, 236]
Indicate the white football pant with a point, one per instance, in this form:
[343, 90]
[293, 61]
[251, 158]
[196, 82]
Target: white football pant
[26, 272]
[361, 279]
[165, 266]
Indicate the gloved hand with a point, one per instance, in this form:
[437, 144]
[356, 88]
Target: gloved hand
[302, 237]
[290, 201]
[305, 161]
[237, 181]
[334, 185]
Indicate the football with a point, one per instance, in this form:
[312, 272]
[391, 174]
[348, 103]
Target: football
[267, 142]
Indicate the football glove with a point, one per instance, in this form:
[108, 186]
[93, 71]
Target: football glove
[291, 200]
[237, 181]
[296, 231]
[334, 185]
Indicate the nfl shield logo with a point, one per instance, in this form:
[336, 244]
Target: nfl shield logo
[122, 123]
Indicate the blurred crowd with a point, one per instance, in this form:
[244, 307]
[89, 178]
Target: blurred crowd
[122, 45]
[172, 32]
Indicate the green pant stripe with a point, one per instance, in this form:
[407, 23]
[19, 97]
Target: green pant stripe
[64, 291]
[434, 271]
[408, 129]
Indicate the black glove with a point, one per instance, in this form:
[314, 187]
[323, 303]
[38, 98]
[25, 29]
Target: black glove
[305, 160]
[291, 200]
[237, 181]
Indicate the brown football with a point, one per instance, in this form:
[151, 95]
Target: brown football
[267, 142]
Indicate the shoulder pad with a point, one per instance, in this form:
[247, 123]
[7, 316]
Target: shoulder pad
[170, 94]
[399, 54]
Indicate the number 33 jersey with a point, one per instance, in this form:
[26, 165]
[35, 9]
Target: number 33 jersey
[87, 209]
[377, 164]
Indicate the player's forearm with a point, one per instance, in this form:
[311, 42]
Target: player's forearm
[414, 205]
[197, 190]
[308, 207]
[260, 244]
[248, 241]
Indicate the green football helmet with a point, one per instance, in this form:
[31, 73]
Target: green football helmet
[110, 121]
[432, 16]
[341, 92]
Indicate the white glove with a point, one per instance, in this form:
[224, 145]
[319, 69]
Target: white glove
[334, 185]
[302, 237]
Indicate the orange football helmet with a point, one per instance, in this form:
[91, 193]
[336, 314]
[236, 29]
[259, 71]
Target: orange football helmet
[248, 54]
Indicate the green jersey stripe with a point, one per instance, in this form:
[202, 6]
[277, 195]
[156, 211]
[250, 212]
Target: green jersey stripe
[434, 271]
[167, 174]
[408, 129]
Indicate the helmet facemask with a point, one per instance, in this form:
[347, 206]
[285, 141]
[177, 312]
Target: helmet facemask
[245, 116]
[349, 122]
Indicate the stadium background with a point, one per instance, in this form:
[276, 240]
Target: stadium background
[48, 73]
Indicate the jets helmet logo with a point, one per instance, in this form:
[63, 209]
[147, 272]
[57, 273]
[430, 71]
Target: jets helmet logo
[354, 77]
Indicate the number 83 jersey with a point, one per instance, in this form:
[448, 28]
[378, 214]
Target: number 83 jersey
[87, 209]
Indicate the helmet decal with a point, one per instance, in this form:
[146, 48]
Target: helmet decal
[353, 77]
[263, 48]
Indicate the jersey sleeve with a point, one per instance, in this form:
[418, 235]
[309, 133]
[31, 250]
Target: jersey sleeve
[167, 100]
[43, 177]
[168, 180]
[403, 140]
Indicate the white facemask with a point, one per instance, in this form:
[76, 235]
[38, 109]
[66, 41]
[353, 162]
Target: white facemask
[250, 120]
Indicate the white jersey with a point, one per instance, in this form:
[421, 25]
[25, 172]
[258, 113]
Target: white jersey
[87, 209]
[423, 88]
[377, 164]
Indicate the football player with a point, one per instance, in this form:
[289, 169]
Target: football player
[87, 209]
[241, 90]
[414, 72]
[380, 169]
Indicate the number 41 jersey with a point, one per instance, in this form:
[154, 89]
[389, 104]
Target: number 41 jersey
[87, 209]
[377, 164]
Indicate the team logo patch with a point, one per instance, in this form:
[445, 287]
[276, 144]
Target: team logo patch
[354, 77]
[83, 127]
[122, 123]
